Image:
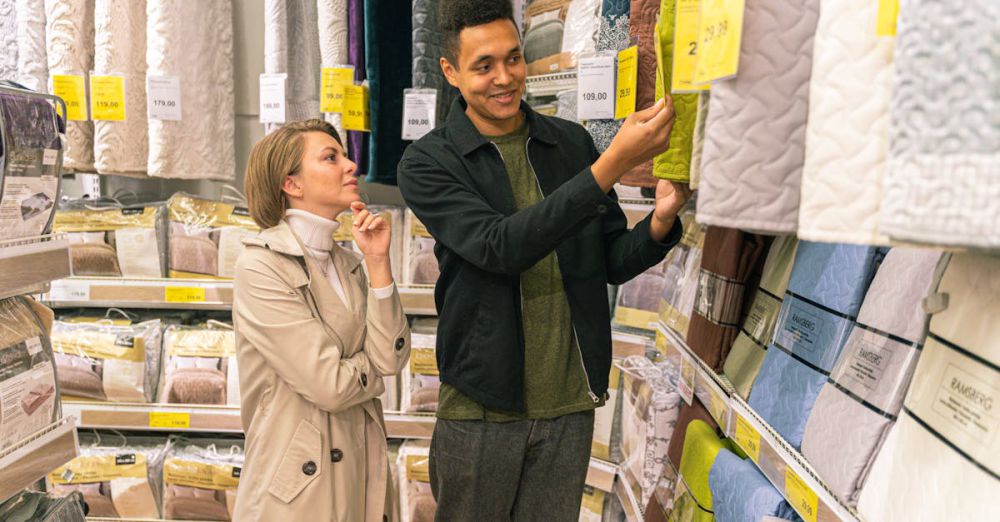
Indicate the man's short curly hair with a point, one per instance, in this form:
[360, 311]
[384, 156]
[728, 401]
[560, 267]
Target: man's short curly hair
[455, 15]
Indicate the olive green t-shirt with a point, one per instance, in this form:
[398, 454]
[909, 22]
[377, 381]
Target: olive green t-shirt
[555, 381]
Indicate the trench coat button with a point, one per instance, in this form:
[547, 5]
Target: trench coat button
[400, 343]
[309, 468]
[364, 379]
[602, 209]
[336, 455]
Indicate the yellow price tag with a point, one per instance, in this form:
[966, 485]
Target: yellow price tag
[661, 343]
[628, 70]
[748, 438]
[334, 79]
[161, 419]
[73, 91]
[801, 496]
[107, 98]
[686, 47]
[356, 116]
[720, 30]
[885, 23]
[184, 294]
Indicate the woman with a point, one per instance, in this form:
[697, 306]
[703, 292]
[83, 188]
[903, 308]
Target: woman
[312, 339]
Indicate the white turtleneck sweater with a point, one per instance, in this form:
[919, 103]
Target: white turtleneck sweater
[316, 234]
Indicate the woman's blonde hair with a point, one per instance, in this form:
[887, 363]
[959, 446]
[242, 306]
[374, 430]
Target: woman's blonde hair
[272, 159]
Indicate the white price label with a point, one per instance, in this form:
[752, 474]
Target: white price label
[34, 345]
[596, 88]
[272, 98]
[65, 290]
[50, 156]
[419, 112]
[163, 98]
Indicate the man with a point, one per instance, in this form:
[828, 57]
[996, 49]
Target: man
[529, 234]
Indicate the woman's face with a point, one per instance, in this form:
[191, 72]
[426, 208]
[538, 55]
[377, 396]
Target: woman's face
[325, 183]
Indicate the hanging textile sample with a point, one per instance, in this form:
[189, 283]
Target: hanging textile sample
[196, 46]
[675, 163]
[428, 48]
[612, 35]
[388, 50]
[8, 41]
[291, 46]
[122, 147]
[357, 142]
[69, 36]
[333, 48]
[751, 164]
[32, 58]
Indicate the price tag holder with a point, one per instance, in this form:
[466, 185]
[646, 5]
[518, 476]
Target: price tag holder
[333, 80]
[107, 98]
[184, 294]
[595, 88]
[685, 384]
[356, 116]
[163, 95]
[72, 89]
[272, 98]
[169, 420]
[801, 496]
[419, 112]
[628, 70]
[885, 22]
[685, 47]
[748, 438]
[68, 290]
[720, 31]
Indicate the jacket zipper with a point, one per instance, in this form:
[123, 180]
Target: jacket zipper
[576, 338]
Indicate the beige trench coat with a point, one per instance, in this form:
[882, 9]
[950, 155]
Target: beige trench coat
[310, 373]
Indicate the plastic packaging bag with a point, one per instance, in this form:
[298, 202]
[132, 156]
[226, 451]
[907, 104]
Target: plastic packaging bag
[118, 476]
[205, 236]
[34, 506]
[200, 479]
[105, 361]
[199, 365]
[421, 264]
[683, 264]
[28, 387]
[111, 240]
[416, 501]
[420, 380]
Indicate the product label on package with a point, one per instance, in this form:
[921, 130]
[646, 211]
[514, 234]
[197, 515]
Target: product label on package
[101, 468]
[968, 403]
[759, 323]
[199, 343]
[27, 390]
[204, 475]
[95, 344]
[418, 468]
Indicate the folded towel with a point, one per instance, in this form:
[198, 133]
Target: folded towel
[943, 455]
[859, 403]
[747, 354]
[741, 493]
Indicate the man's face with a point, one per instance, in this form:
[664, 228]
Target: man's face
[490, 70]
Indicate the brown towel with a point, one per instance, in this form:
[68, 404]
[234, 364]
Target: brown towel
[80, 377]
[424, 399]
[94, 259]
[688, 413]
[133, 498]
[425, 268]
[642, 25]
[195, 386]
[186, 503]
[729, 261]
[193, 254]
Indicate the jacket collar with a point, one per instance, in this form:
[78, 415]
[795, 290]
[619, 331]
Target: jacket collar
[468, 138]
[281, 239]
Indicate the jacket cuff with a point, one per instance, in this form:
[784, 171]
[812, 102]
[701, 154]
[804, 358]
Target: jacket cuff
[659, 248]
[586, 195]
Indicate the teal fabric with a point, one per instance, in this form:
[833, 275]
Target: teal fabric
[388, 56]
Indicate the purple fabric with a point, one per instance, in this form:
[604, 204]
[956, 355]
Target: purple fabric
[357, 142]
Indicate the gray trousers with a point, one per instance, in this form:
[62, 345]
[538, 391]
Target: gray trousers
[518, 471]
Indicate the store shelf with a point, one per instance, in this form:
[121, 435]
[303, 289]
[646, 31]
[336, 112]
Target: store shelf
[786, 468]
[155, 417]
[601, 475]
[633, 511]
[418, 300]
[777, 459]
[409, 425]
[108, 292]
[187, 294]
[27, 265]
[551, 84]
[713, 390]
[24, 463]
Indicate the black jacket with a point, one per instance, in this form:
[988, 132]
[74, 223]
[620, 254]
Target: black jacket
[455, 182]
